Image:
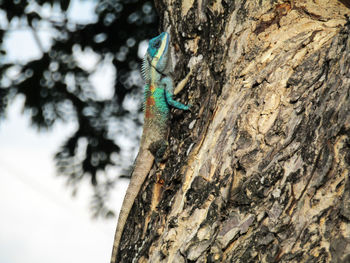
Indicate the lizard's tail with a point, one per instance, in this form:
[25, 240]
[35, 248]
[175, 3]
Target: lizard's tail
[143, 165]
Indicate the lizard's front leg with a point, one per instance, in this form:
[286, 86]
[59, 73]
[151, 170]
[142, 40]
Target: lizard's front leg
[167, 82]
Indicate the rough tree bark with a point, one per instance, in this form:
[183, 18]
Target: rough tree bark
[259, 170]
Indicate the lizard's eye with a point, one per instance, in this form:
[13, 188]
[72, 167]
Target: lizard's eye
[157, 44]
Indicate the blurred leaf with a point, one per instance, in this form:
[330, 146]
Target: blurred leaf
[57, 88]
[64, 4]
[33, 16]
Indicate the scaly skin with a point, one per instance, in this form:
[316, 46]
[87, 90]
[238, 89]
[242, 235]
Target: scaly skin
[158, 99]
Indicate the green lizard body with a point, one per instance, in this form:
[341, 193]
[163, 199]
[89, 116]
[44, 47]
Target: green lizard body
[159, 88]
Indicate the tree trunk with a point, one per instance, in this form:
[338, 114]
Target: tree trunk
[259, 170]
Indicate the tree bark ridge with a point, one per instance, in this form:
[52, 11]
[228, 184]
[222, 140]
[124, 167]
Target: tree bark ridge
[267, 175]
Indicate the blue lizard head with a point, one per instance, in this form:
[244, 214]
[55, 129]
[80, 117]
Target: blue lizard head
[157, 57]
[158, 52]
[158, 45]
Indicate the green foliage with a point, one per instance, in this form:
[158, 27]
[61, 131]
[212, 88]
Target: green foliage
[57, 88]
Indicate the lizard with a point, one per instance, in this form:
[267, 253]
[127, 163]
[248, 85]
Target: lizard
[158, 98]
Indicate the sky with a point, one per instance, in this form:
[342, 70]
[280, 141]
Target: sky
[40, 220]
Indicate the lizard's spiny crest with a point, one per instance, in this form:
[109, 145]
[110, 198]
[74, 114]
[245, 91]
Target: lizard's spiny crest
[145, 68]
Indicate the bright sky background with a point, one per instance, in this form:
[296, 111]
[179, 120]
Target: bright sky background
[40, 221]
